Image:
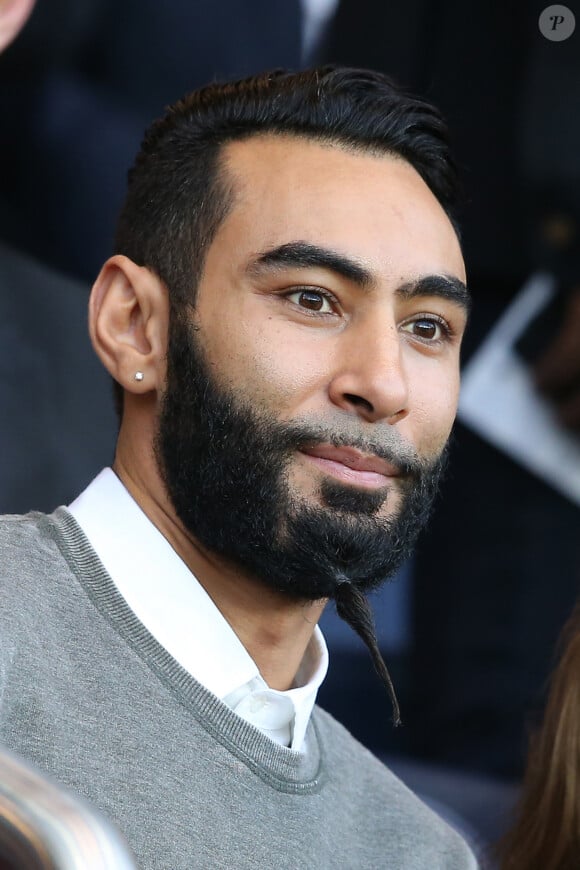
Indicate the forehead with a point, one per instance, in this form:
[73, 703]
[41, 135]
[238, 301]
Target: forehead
[374, 207]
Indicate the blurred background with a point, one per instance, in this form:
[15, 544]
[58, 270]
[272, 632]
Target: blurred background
[469, 628]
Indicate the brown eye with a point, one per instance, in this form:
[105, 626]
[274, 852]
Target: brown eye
[312, 300]
[426, 329]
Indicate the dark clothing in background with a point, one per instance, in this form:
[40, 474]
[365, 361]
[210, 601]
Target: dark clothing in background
[81, 84]
[58, 424]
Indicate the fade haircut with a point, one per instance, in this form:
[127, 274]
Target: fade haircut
[178, 191]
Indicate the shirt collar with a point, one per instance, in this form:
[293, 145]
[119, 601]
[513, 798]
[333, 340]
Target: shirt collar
[174, 607]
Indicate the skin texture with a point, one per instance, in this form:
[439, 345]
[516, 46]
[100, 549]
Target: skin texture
[13, 17]
[374, 359]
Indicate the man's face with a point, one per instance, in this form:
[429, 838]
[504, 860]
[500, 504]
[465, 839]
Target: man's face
[312, 391]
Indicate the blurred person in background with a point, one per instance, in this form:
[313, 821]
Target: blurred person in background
[57, 418]
[546, 824]
[84, 80]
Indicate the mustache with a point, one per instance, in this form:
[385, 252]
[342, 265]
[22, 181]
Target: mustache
[386, 444]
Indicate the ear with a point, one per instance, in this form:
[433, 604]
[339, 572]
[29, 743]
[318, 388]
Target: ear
[128, 324]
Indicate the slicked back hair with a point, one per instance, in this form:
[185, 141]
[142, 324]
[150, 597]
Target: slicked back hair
[178, 192]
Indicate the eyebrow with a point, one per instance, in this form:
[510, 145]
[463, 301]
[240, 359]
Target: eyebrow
[303, 255]
[444, 286]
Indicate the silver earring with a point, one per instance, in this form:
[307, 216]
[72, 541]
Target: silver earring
[138, 376]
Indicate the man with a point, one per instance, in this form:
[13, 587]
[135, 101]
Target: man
[283, 319]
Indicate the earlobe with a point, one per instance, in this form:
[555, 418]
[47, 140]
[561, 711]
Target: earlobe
[128, 321]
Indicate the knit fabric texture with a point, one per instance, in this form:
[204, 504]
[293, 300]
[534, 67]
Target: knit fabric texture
[90, 697]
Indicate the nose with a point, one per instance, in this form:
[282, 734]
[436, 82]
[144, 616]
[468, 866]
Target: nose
[370, 379]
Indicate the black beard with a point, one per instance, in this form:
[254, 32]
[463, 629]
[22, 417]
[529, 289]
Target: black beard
[225, 467]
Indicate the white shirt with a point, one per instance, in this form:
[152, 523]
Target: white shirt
[174, 607]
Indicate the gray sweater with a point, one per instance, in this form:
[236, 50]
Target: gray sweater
[89, 696]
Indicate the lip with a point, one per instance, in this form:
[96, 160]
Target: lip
[352, 466]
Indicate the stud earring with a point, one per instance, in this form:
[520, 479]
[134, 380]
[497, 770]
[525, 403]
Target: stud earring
[138, 376]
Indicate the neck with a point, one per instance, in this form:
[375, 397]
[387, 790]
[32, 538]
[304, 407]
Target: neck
[274, 629]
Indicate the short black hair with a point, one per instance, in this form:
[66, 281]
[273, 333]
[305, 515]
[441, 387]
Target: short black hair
[178, 193]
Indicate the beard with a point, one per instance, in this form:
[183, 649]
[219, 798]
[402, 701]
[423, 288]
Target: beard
[226, 466]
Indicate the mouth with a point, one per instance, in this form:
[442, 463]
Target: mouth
[351, 466]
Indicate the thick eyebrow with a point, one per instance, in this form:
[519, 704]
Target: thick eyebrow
[444, 286]
[303, 255]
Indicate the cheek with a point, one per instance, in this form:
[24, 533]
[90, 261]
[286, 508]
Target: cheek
[267, 364]
[433, 405]
[287, 372]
